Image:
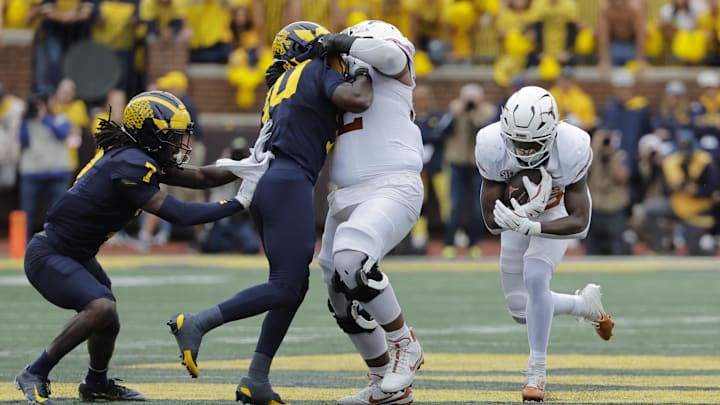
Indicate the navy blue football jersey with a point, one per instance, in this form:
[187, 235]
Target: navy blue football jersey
[108, 193]
[304, 118]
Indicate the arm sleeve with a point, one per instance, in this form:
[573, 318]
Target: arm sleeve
[331, 79]
[192, 213]
[385, 56]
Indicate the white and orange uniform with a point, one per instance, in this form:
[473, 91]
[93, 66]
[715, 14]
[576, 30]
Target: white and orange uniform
[569, 160]
[378, 157]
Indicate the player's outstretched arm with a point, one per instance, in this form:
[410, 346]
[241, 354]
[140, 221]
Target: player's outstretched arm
[185, 213]
[355, 96]
[489, 193]
[198, 177]
[579, 206]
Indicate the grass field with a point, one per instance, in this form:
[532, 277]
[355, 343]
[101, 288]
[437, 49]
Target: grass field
[666, 347]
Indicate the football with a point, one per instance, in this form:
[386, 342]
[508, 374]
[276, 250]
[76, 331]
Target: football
[515, 187]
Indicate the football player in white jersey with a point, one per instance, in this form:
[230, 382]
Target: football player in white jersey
[535, 234]
[376, 167]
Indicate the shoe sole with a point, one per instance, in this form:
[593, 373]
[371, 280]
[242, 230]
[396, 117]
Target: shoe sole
[243, 393]
[186, 358]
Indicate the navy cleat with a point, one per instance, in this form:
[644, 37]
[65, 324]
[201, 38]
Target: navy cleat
[251, 392]
[188, 338]
[108, 392]
[36, 388]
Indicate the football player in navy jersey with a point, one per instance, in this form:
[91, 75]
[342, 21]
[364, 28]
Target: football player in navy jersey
[149, 147]
[305, 96]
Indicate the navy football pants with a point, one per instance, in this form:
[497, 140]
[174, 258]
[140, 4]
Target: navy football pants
[283, 211]
[62, 280]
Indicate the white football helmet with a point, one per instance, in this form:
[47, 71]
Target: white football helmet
[375, 29]
[528, 122]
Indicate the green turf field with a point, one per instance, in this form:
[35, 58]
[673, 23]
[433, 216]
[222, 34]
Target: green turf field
[666, 347]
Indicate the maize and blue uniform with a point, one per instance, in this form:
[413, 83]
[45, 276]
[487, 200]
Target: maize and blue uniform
[109, 192]
[304, 125]
[60, 261]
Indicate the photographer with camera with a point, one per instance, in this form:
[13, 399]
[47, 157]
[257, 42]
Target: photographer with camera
[45, 167]
[608, 181]
[467, 114]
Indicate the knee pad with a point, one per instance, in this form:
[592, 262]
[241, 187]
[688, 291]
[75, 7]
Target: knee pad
[370, 282]
[516, 303]
[356, 320]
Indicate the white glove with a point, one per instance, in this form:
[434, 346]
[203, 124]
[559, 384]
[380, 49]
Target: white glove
[539, 195]
[246, 192]
[354, 64]
[257, 151]
[508, 219]
[252, 168]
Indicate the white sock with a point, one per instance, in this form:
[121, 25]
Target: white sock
[398, 334]
[539, 309]
[385, 308]
[370, 345]
[377, 371]
[564, 304]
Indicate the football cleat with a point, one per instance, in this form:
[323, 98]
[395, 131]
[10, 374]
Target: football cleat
[188, 338]
[251, 392]
[406, 357]
[373, 395]
[594, 312]
[534, 388]
[109, 392]
[36, 388]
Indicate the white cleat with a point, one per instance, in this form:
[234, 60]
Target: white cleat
[373, 395]
[593, 311]
[406, 357]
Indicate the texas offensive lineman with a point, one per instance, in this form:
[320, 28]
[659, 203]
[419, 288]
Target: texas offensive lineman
[376, 167]
[535, 235]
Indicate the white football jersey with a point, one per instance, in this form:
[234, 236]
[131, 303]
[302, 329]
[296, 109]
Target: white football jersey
[381, 140]
[569, 160]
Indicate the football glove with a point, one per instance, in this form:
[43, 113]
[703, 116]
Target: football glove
[538, 194]
[333, 44]
[357, 67]
[508, 219]
[252, 168]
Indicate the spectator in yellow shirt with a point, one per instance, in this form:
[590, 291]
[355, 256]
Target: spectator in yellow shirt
[574, 104]
[165, 19]
[115, 28]
[210, 42]
[559, 22]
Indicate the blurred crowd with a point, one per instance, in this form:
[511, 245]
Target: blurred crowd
[655, 176]
[510, 35]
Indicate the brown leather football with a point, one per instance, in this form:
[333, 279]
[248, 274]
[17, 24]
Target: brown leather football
[515, 187]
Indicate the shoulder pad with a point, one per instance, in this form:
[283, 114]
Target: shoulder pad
[489, 149]
[573, 146]
[134, 166]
